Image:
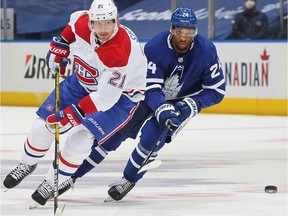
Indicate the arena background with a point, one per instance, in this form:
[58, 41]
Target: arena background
[255, 70]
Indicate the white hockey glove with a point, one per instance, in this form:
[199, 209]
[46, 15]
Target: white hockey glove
[57, 56]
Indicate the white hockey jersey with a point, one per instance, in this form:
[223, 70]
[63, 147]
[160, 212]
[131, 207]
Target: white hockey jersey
[106, 71]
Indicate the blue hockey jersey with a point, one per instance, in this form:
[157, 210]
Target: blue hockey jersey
[196, 74]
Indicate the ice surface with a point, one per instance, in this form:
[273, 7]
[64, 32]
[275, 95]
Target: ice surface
[217, 166]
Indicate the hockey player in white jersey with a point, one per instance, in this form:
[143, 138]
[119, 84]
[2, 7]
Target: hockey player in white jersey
[97, 100]
[184, 76]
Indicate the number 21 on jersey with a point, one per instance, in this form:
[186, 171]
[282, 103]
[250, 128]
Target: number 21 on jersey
[117, 80]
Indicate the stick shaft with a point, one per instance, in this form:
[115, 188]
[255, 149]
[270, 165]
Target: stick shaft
[57, 135]
[161, 139]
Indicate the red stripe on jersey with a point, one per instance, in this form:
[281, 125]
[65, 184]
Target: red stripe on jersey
[68, 35]
[66, 162]
[87, 105]
[35, 149]
[82, 28]
[133, 92]
[116, 52]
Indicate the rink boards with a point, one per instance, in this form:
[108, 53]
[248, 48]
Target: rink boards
[255, 74]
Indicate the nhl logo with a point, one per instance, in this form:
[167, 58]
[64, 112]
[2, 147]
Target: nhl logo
[180, 59]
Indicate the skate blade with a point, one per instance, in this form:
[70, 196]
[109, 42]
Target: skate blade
[109, 199]
[4, 190]
[33, 205]
[59, 211]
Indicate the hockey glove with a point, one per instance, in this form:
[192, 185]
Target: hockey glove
[70, 115]
[187, 108]
[57, 55]
[166, 116]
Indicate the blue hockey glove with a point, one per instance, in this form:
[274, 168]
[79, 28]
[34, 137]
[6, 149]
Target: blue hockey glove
[166, 116]
[187, 108]
[57, 56]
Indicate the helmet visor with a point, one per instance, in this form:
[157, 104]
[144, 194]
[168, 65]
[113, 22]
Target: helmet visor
[179, 31]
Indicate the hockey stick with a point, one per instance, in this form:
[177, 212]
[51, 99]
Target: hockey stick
[152, 165]
[146, 165]
[59, 211]
[180, 127]
[156, 163]
[57, 135]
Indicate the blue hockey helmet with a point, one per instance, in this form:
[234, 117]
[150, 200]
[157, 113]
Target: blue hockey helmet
[184, 17]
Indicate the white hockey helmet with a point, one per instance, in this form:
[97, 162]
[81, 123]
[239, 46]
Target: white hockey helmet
[103, 10]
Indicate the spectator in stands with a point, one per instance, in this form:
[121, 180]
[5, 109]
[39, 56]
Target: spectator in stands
[250, 23]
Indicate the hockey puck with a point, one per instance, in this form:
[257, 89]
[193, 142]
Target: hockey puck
[271, 189]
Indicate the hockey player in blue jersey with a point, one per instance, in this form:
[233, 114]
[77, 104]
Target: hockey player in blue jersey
[184, 76]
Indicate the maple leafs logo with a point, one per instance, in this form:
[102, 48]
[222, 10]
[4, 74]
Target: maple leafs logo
[172, 87]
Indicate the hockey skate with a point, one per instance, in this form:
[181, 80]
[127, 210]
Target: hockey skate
[42, 194]
[45, 191]
[66, 185]
[119, 190]
[18, 174]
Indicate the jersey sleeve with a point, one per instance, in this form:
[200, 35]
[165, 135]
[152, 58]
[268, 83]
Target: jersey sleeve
[154, 96]
[213, 82]
[68, 34]
[106, 96]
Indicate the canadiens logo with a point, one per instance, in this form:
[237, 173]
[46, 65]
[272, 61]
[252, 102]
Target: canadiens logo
[85, 73]
[49, 107]
[248, 73]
